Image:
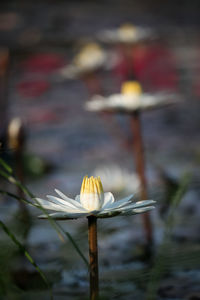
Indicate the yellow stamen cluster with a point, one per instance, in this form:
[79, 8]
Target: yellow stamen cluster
[127, 29]
[88, 52]
[131, 87]
[91, 185]
[91, 194]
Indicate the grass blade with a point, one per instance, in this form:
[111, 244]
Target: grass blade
[161, 260]
[5, 166]
[25, 252]
[58, 228]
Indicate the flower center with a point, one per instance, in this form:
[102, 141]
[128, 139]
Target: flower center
[91, 194]
[127, 31]
[131, 88]
[90, 55]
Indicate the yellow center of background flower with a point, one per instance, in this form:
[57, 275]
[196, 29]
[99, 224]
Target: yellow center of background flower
[127, 30]
[89, 54]
[131, 87]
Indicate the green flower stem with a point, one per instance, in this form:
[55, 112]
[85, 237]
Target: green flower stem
[93, 257]
[140, 167]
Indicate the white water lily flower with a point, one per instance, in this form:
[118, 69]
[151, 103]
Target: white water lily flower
[91, 57]
[126, 33]
[130, 99]
[117, 179]
[92, 201]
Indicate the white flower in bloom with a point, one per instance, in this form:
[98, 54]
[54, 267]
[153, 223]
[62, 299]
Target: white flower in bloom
[127, 33]
[117, 179]
[92, 201]
[91, 57]
[130, 99]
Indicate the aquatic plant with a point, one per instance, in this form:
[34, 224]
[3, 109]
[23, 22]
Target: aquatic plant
[92, 203]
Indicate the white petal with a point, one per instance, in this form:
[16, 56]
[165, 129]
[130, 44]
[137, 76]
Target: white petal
[138, 204]
[69, 200]
[66, 204]
[59, 201]
[108, 200]
[91, 201]
[52, 206]
[145, 202]
[120, 203]
[64, 216]
[107, 214]
[114, 213]
[137, 211]
[49, 205]
[77, 198]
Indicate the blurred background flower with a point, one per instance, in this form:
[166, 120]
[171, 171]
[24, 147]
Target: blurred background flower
[117, 179]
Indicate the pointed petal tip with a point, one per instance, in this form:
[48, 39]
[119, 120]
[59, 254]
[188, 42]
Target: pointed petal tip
[39, 200]
[42, 217]
[50, 196]
[58, 191]
[143, 210]
[146, 201]
[129, 197]
[153, 201]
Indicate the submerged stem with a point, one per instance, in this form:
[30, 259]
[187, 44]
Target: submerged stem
[93, 257]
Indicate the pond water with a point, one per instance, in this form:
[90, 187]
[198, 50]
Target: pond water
[64, 142]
